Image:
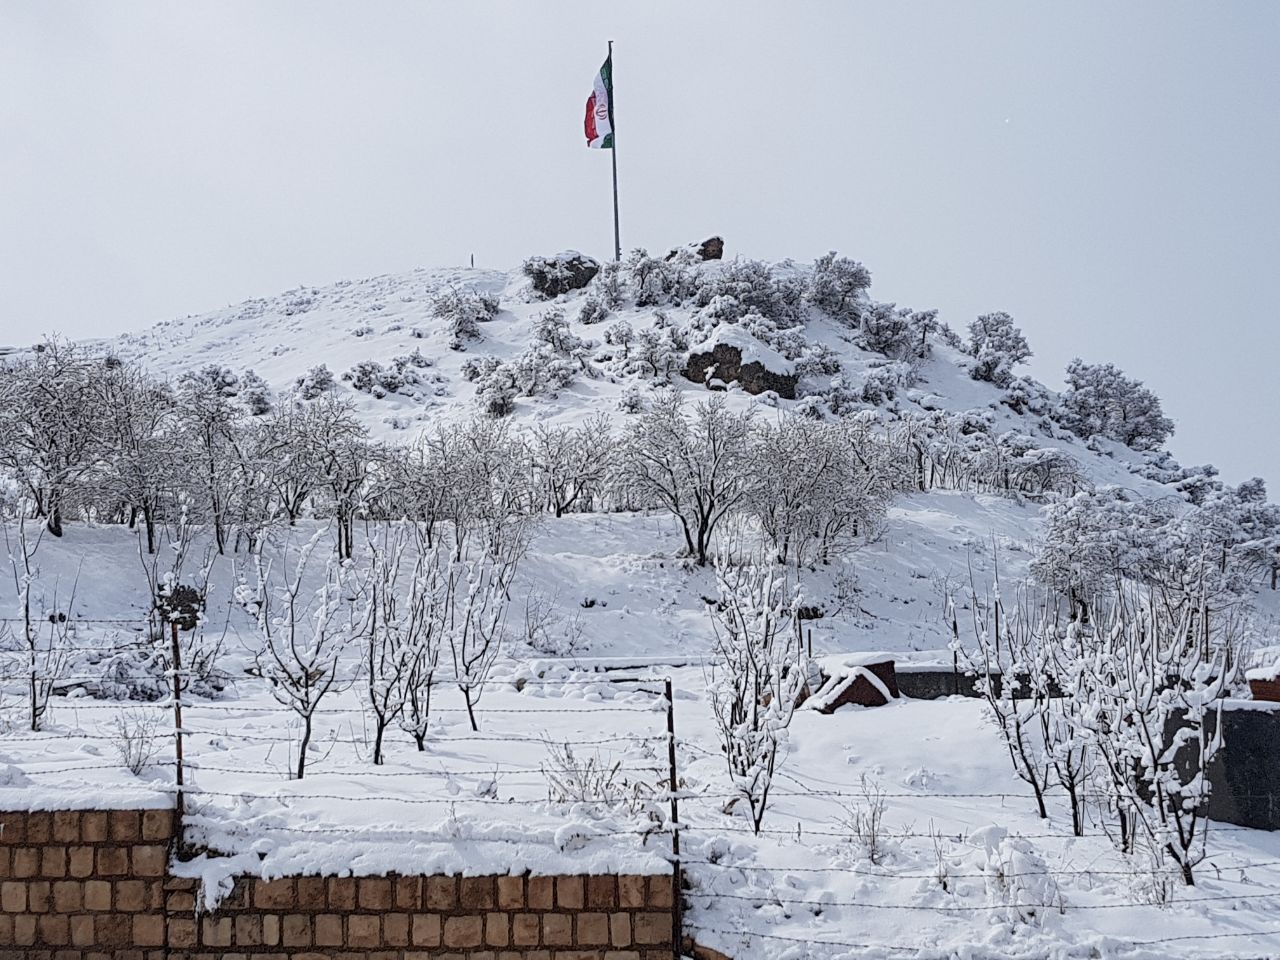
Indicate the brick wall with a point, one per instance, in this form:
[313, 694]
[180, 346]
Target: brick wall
[75, 883]
[93, 885]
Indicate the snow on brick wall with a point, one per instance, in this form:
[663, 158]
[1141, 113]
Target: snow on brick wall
[76, 884]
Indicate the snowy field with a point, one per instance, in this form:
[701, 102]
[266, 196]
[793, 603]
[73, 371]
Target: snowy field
[965, 867]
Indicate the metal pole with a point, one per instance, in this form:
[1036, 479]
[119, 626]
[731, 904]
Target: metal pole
[676, 885]
[177, 725]
[613, 128]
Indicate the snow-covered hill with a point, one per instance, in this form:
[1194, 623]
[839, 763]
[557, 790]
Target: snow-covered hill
[966, 868]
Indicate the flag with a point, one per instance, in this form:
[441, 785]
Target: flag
[599, 125]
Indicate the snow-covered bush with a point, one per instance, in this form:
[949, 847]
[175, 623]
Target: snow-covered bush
[754, 286]
[255, 394]
[496, 390]
[1101, 401]
[838, 286]
[314, 383]
[997, 346]
[541, 369]
[631, 399]
[659, 282]
[369, 376]
[895, 331]
[463, 310]
[620, 334]
[882, 383]
[1024, 395]
[593, 310]
[136, 736]
[551, 328]
[655, 353]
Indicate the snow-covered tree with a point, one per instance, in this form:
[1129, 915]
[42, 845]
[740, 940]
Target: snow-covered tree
[997, 346]
[43, 617]
[897, 332]
[756, 676]
[571, 463]
[1098, 538]
[1101, 401]
[1148, 683]
[475, 612]
[209, 418]
[143, 447]
[51, 424]
[819, 487]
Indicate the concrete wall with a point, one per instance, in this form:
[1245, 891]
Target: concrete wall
[95, 885]
[1246, 772]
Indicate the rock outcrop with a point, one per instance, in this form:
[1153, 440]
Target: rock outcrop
[557, 275]
[724, 363]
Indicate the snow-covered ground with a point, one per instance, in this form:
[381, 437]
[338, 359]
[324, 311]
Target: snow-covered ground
[967, 869]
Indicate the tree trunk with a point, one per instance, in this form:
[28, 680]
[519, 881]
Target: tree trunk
[302, 749]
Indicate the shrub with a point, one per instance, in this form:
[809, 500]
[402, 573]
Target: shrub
[314, 383]
[1101, 401]
[997, 346]
[838, 286]
[463, 311]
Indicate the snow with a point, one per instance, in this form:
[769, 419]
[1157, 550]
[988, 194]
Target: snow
[968, 869]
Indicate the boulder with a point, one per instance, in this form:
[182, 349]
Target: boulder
[557, 275]
[711, 248]
[724, 363]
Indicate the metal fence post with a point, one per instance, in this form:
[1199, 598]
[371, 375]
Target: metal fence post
[677, 900]
[180, 780]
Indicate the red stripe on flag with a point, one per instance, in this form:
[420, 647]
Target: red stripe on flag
[591, 118]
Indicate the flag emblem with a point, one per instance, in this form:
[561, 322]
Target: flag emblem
[599, 122]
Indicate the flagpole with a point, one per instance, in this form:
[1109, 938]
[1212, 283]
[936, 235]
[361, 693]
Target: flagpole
[613, 127]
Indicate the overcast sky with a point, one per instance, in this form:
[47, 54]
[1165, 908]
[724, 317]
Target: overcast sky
[1108, 173]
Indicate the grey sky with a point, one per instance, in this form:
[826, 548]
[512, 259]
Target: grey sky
[1108, 173]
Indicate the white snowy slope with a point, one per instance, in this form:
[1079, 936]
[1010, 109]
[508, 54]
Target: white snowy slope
[968, 870]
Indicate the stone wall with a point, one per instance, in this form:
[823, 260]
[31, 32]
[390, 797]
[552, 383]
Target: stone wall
[95, 885]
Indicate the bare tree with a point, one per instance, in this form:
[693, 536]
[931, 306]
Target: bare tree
[697, 469]
[400, 627]
[304, 634]
[44, 640]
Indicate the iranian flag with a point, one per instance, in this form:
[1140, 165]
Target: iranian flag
[599, 123]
